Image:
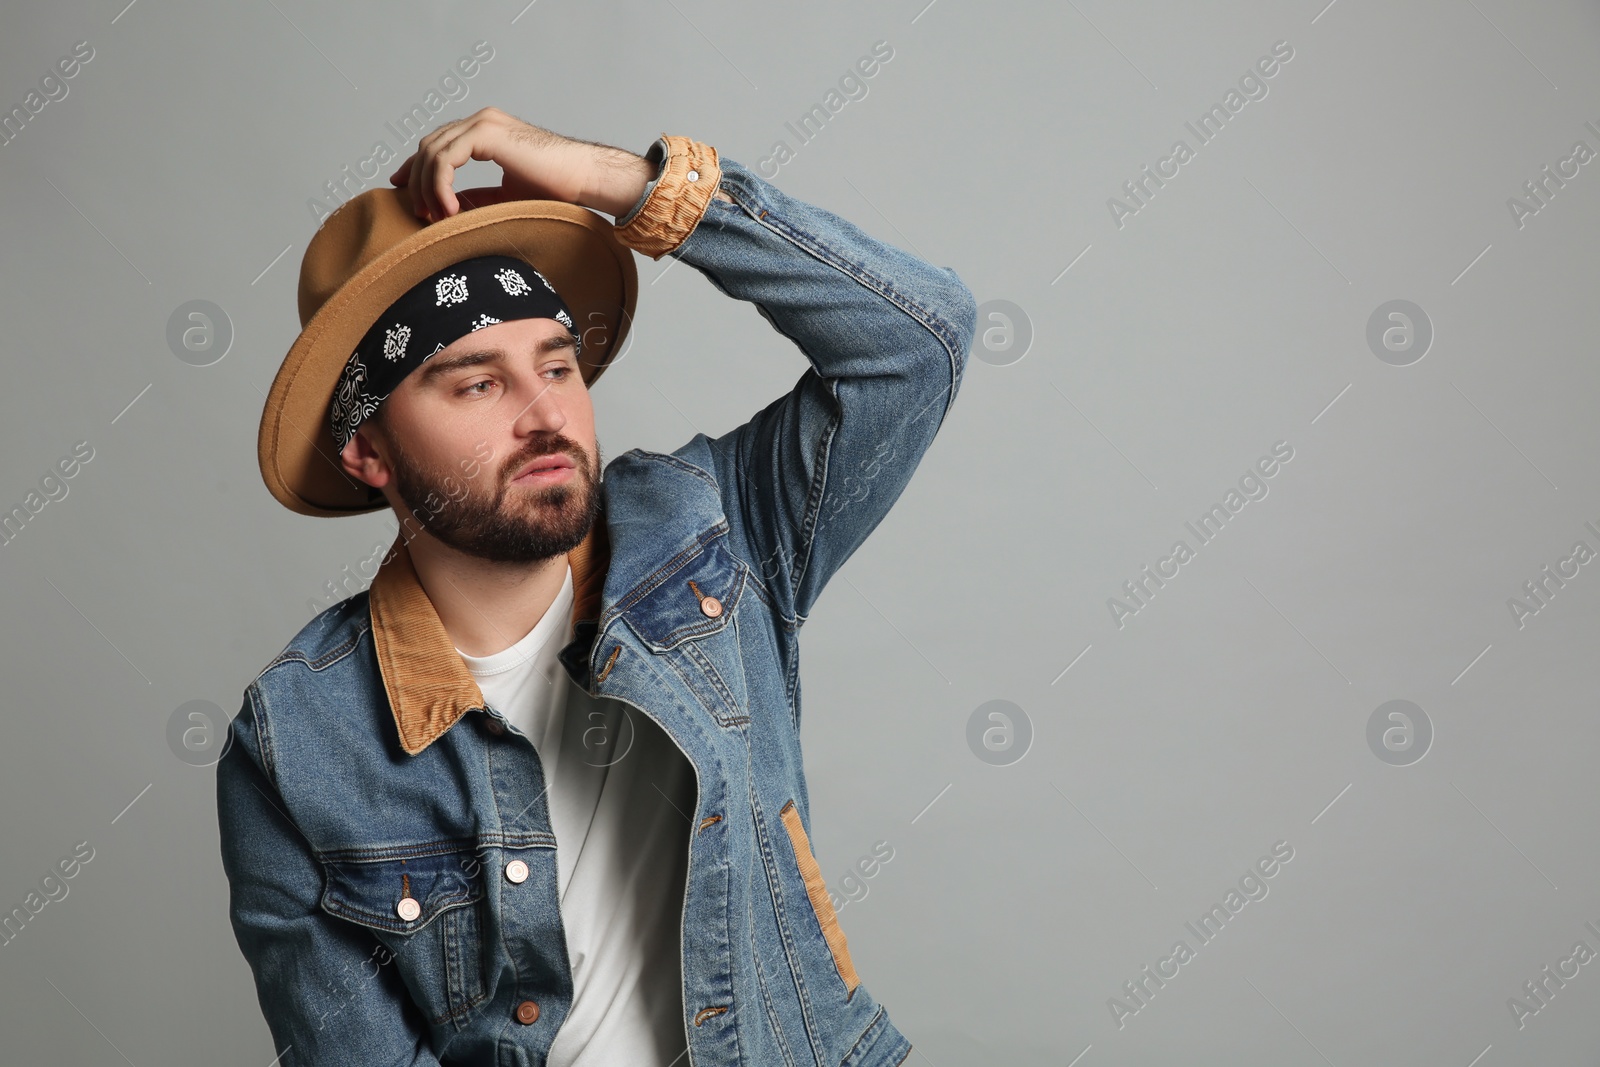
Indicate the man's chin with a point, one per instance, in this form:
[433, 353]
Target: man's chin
[524, 524]
[542, 507]
[557, 526]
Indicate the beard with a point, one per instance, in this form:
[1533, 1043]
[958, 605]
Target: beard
[508, 523]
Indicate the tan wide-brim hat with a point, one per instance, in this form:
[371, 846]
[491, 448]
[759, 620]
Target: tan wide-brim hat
[365, 256]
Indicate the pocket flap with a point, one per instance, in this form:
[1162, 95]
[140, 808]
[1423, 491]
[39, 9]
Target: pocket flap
[370, 891]
[672, 612]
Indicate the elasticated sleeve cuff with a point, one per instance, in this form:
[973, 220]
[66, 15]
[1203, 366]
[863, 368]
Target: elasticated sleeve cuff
[675, 200]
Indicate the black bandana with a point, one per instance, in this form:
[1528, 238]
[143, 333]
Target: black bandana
[438, 310]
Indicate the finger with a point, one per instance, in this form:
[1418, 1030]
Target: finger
[408, 177]
[403, 174]
[440, 181]
[440, 167]
[403, 180]
[471, 142]
[415, 169]
[423, 180]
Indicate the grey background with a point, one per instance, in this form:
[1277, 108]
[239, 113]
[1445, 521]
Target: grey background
[1227, 315]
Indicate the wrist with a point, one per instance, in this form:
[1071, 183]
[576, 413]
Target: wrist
[616, 180]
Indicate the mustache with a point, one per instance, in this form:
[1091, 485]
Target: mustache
[544, 447]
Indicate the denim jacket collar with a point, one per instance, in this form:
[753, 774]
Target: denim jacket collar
[428, 685]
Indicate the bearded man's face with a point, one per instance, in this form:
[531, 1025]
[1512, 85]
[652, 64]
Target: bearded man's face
[450, 445]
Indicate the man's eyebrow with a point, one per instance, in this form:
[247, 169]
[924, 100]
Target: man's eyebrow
[435, 368]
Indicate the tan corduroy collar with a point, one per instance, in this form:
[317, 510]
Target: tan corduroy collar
[429, 686]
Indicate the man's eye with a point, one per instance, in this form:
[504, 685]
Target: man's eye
[469, 389]
[564, 371]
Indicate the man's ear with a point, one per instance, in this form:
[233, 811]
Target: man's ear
[363, 460]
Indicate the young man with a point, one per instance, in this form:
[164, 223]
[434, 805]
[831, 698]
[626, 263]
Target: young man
[536, 796]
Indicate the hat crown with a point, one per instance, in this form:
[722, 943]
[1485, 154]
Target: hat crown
[358, 232]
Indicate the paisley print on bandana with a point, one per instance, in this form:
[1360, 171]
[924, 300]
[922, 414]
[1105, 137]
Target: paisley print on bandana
[442, 307]
[394, 342]
[512, 282]
[452, 289]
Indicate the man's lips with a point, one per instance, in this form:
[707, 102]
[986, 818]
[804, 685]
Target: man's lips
[547, 466]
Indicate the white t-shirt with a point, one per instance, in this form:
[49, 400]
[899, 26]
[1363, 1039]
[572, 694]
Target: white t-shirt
[621, 796]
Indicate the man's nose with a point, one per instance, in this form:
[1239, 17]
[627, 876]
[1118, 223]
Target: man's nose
[537, 409]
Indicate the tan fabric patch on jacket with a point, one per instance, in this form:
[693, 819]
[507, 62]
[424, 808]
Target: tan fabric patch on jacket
[817, 890]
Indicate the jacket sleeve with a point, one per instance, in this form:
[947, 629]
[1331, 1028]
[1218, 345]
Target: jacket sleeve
[887, 335]
[329, 991]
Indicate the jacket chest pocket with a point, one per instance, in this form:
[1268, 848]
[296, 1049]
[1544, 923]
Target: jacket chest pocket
[426, 910]
[688, 622]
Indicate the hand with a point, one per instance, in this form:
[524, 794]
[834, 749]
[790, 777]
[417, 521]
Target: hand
[537, 164]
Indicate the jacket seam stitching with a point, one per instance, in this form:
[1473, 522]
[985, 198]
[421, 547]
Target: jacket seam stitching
[442, 846]
[653, 581]
[455, 969]
[269, 759]
[792, 680]
[761, 984]
[818, 492]
[929, 318]
[761, 590]
[679, 461]
[718, 683]
[326, 659]
[515, 959]
[926, 316]
[775, 890]
[730, 720]
[872, 1024]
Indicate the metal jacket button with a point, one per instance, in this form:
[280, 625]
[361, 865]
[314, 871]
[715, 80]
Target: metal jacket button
[494, 727]
[711, 606]
[527, 1012]
[408, 908]
[516, 872]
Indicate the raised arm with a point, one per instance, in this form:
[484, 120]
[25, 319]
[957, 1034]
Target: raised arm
[808, 477]
[887, 334]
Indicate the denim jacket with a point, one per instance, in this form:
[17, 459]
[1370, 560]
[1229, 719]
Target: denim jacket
[364, 768]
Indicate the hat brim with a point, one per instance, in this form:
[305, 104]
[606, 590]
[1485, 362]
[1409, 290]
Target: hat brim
[572, 246]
